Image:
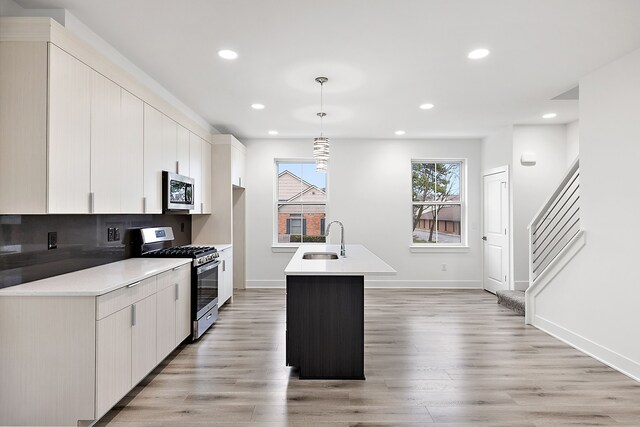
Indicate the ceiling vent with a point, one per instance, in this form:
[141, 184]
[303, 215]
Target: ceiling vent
[571, 94]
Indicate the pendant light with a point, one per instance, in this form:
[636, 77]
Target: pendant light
[321, 144]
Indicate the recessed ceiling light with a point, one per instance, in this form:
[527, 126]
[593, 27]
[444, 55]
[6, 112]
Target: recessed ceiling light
[257, 106]
[400, 132]
[273, 132]
[227, 54]
[549, 115]
[478, 53]
[427, 106]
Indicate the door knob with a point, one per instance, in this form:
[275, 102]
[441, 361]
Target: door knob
[484, 238]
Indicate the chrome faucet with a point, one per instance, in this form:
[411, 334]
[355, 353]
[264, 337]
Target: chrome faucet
[342, 251]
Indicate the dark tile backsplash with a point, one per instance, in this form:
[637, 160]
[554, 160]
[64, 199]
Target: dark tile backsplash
[82, 242]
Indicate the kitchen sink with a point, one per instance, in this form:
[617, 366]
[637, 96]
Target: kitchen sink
[320, 255]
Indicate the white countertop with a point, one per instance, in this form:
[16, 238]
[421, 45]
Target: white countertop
[358, 262]
[98, 280]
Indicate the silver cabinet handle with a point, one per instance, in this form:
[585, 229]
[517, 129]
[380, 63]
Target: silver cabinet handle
[201, 207]
[176, 268]
[209, 316]
[177, 292]
[144, 205]
[134, 284]
[239, 181]
[224, 265]
[177, 166]
[133, 315]
[92, 204]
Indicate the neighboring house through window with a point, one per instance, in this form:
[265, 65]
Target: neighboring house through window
[300, 202]
[438, 202]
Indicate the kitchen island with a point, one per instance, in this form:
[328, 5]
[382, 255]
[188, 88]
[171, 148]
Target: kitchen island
[325, 310]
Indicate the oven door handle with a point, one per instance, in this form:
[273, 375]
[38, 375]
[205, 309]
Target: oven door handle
[208, 266]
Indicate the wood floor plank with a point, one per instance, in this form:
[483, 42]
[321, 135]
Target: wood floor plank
[432, 357]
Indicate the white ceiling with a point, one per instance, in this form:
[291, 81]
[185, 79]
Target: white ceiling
[383, 58]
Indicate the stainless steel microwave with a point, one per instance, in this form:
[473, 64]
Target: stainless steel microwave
[177, 192]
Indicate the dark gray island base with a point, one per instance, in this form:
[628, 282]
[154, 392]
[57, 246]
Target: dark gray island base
[325, 326]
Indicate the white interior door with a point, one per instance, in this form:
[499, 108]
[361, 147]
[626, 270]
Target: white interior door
[496, 230]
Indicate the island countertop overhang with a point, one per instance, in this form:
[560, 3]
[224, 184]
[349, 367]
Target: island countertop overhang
[358, 262]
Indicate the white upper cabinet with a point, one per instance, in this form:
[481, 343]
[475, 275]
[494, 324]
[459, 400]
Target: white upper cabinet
[206, 186]
[153, 160]
[23, 128]
[237, 167]
[131, 153]
[106, 145]
[169, 145]
[195, 157]
[200, 162]
[82, 135]
[69, 151]
[183, 151]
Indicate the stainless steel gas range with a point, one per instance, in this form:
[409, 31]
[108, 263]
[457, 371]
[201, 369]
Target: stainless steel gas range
[151, 242]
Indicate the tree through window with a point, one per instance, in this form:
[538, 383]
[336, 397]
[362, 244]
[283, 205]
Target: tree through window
[437, 202]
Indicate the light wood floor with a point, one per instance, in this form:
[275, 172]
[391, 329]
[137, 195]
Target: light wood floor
[432, 358]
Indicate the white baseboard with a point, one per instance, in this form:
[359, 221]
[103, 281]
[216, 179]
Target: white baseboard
[266, 284]
[421, 284]
[607, 356]
[520, 285]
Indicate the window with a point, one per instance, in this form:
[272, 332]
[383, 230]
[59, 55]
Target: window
[300, 203]
[438, 203]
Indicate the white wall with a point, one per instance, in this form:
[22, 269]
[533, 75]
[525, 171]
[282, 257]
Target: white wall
[573, 142]
[73, 24]
[532, 185]
[593, 302]
[497, 149]
[370, 192]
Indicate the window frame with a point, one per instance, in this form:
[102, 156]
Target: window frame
[442, 247]
[292, 246]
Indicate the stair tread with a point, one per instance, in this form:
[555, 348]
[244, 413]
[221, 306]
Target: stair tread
[513, 300]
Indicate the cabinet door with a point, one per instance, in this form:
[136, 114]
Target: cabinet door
[23, 127]
[228, 272]
[206, 177]
[106, 144]
[113, 359]
[169, 145]
[183, 307]
[69, 147]
[237, 167]
[166, 318]
[152, 160]
[131, 153]
[225, 277]
[143, 338]
[183, 151]
[195, 162]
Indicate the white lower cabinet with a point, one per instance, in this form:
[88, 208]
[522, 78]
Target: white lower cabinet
[78, 355]
[174, 309]
[113, 358]
[225, 277]
[143, 339]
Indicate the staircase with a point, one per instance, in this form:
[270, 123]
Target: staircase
[555, 237]
[513, 300]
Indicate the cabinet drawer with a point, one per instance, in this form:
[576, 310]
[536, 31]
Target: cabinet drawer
[174, 276]
[120, 298]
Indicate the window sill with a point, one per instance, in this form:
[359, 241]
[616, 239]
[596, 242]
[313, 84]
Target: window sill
[439, 249]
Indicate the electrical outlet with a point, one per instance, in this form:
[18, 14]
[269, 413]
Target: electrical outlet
[116, 234]
[444, 267]
[110, 233]
[52, 240]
